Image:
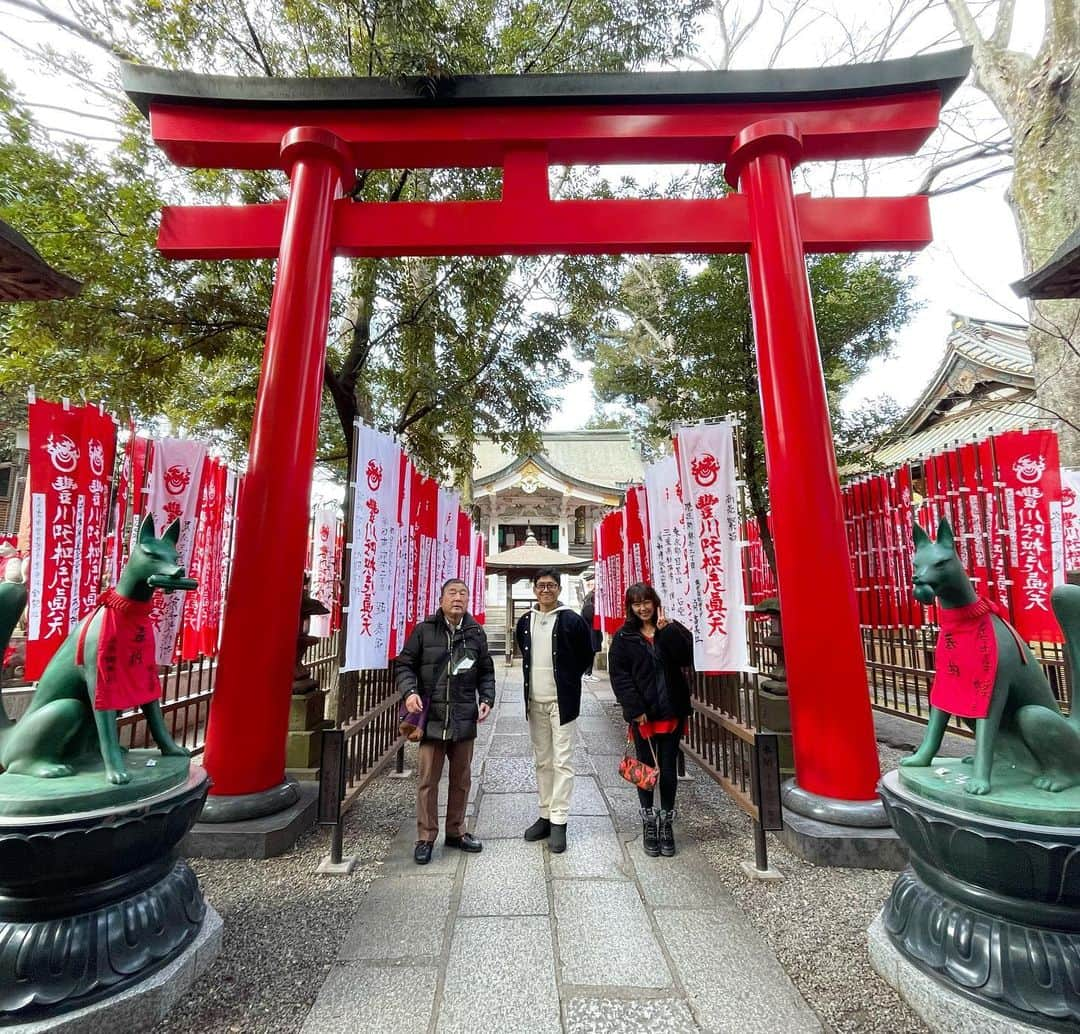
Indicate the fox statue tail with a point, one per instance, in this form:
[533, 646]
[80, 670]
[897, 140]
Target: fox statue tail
[1066, 603]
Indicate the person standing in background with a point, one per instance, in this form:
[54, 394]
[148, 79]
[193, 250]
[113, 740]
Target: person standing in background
[588, 613]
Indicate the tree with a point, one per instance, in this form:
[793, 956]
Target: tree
[1037, 98]
[437, 350]
[676, 344]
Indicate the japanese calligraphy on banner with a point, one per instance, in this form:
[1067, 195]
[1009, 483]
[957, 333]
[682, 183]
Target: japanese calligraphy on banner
[1029, 469]
[446, 565]
[636, 536]
[321, 564]
[202, 606]
[667, 539]
[402, 624]
[57, 511]
[423, 545]
[99, 432]
[175, 479]
[611, 576]
[706, 458]
[478, 601]
[1070, 517]
[373, 564]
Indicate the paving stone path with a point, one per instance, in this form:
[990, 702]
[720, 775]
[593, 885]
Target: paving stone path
[516, 939]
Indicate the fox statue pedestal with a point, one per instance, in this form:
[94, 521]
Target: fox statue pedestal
[96, 904]
[982, 932]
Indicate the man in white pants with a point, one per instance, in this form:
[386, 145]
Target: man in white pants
[556, 650]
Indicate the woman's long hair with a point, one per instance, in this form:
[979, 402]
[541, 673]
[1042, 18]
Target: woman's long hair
[637, 593]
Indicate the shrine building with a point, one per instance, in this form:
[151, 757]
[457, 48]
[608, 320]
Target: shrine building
[560, 492]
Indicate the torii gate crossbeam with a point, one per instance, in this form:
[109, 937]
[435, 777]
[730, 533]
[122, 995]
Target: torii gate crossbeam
[758, 124]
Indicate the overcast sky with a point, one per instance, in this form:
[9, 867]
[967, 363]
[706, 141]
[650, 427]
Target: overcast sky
[967, 270]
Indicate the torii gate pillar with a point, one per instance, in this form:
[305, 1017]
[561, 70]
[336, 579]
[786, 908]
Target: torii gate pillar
[834, 746]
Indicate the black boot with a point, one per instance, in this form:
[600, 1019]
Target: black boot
[667, 836]
[649, 842]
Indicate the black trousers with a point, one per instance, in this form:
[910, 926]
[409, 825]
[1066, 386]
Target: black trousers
[666, 746]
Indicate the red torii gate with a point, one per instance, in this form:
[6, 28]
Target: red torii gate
[759, 124]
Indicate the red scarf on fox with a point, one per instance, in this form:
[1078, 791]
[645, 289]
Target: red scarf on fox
[966, 659]
[126, 669]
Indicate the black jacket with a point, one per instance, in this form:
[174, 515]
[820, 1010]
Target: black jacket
[588, 612]
[635, 668]
[572, 653]
[422, 668]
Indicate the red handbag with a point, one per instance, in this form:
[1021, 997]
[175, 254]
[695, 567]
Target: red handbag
[637, 772]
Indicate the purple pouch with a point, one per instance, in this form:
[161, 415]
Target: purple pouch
[411, 726]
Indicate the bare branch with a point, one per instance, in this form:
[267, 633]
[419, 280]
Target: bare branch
[952, 188]
[81, 31]
[999, 38]
[935, 170]
[263, 59]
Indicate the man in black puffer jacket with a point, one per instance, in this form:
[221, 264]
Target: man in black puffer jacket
[445, 666]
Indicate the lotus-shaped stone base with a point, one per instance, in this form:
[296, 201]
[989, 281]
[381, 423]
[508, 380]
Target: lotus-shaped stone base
[990, 907]
[93, 902]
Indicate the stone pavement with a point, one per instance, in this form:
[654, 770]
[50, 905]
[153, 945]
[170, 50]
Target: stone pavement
[516, 939]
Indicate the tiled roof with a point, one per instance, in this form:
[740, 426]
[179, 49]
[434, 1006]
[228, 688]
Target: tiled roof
[968, 426]
[25, 276]
[607, 459]
[1059, 277]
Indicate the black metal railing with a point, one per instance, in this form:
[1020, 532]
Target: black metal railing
[357, 749]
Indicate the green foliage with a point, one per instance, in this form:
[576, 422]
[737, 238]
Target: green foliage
[674, 341]
[439, 350]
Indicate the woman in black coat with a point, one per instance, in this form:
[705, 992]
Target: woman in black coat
[646, 662]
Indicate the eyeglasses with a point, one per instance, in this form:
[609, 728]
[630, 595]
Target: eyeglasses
[546, 587]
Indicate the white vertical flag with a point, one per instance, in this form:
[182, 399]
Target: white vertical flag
[373, 563]
[323, 567]
[706, 459]
[668, 555]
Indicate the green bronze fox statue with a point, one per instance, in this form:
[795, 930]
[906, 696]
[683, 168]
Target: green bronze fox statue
[105, 665]
[987, 675]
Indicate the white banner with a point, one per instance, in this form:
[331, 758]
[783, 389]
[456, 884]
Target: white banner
[174, 496]
[446, 540]
[668, 554]
[400, 623]
[1070, 517]
[706, 459]
[373, 563]
[323, 568]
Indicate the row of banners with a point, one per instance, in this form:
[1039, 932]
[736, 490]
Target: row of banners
[75, 514]
[409, 536]
[1014, 515]
[680, 532]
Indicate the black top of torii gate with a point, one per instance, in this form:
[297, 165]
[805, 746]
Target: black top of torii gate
[943, 72]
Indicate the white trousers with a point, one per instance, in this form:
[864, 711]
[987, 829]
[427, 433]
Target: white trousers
[552, 745]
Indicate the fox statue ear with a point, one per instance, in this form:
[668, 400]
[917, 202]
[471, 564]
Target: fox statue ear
[146, 530]
[172, 534]
[920, 537]
[945, 534]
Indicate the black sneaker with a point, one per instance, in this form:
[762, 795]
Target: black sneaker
[422, 852]
[465, 842]
[557, 843]
[538, 830]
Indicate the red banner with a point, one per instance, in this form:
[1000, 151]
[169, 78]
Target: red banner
[99, 433]
[614, 577]
[56, 447]
[1029, 469]
[636, 537]
[423, 535]
[202, 607]
[479, 578]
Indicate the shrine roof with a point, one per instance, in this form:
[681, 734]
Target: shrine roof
[606, 459]
[25, 276]
[1058, 277]
[943, 71]
[979, 354]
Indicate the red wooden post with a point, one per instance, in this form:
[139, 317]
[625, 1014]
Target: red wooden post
[831, 721]
[245, 742]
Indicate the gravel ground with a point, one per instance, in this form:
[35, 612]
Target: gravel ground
[815, 919]
[284, 923]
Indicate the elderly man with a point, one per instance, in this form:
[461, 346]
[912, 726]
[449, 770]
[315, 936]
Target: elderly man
[445, 666]
[556, 650]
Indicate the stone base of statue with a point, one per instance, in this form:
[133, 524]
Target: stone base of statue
[990, 907]
[95, 902]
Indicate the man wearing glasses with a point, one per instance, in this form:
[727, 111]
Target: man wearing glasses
[556, 650]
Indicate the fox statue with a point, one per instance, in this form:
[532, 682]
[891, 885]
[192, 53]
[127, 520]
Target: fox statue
[987, 675]
[105, 665]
